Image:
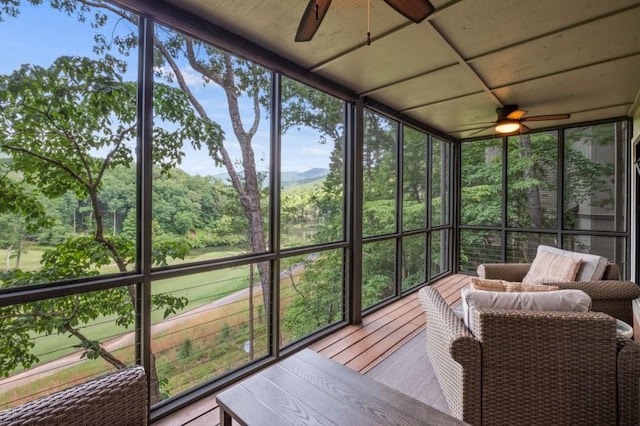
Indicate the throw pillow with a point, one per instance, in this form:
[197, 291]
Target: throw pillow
[507, 286]
[486, 285]
[592, 267]
[560, 300]
[519, 287]
[549, 267]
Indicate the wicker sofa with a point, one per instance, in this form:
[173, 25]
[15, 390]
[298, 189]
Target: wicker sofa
[533, 367]
[610, 295]
[119, 398]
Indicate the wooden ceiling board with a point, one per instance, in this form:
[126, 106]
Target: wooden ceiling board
[609, 38]
[273, 24]
[601, 85]
[457, 114]
[399, 56]
[478, 27]
[444, 83]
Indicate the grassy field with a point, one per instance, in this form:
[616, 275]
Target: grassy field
[29, 259]
[215, 337]
[199, 289]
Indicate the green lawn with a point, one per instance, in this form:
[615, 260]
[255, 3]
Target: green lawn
[29, 260]
[199, 289]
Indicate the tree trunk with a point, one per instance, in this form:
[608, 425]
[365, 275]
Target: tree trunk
[19, 254]
[8, 257]
[533, 195]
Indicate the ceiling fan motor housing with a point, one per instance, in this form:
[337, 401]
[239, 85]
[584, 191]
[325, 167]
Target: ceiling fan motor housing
[503, 112]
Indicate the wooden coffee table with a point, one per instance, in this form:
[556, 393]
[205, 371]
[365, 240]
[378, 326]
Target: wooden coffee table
[309, 389]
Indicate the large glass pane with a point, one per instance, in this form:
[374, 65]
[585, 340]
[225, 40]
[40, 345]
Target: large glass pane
[211, 199]
[221, 326]
[440, 257]
[378, 272]
[479, 246]
[379, 175]
[613, 248]
[414, 260]
[414, 179]
[311, 293]
[481, 184]
[595, 177]
[312, 166]
[532, 181]
[67, 142]
[440, 182]
[523, 246]
[53, 344]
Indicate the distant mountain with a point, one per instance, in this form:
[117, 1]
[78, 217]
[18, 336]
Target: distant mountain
[301, 177]
[293, 178]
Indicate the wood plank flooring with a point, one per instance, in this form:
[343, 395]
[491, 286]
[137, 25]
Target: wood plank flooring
[388, 346]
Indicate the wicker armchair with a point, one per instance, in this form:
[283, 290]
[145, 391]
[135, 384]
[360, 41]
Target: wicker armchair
[119, 398]
[610, 295]
[533, 367]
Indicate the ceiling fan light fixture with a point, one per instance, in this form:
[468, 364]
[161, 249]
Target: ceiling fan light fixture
[507, 126]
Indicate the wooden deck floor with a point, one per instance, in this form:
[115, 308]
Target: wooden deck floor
[363, 348]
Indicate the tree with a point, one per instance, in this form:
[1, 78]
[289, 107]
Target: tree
[52, 121]
[532, 186]
[246, 87]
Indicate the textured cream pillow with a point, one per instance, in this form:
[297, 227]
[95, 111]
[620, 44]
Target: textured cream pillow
[561, 300]
[486, 285]
[507, 286]
[549, 267]
[592, 267]
[519, 287]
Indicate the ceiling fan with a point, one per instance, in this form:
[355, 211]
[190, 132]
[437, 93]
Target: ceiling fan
[510, 119]
[415, 10]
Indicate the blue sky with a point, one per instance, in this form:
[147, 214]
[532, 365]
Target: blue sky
[39, 35]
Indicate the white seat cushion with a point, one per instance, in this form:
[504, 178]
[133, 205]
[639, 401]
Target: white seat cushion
[592, 267]
[559, 300]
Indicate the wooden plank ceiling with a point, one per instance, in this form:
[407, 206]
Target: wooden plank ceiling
[466, 59]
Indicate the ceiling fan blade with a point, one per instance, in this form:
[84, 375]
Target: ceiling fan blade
[516, 115]
[415, 10]
[476, 123]
[311, 19]
[547, 117]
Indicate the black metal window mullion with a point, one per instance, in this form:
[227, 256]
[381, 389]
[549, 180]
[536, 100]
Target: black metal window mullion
[399, 205]
[428, 186]
[144, 196]
[274, 211]
[355, 156]
[505, 194]
[456, 206]
[560, 193]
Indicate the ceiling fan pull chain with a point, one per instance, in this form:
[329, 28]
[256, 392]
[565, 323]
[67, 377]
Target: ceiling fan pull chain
[368, 22]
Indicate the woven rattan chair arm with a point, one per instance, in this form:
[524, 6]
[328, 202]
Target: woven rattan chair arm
[513, 326]
[119, 398]
[603, 289]
[503, 271]
[455, 356]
